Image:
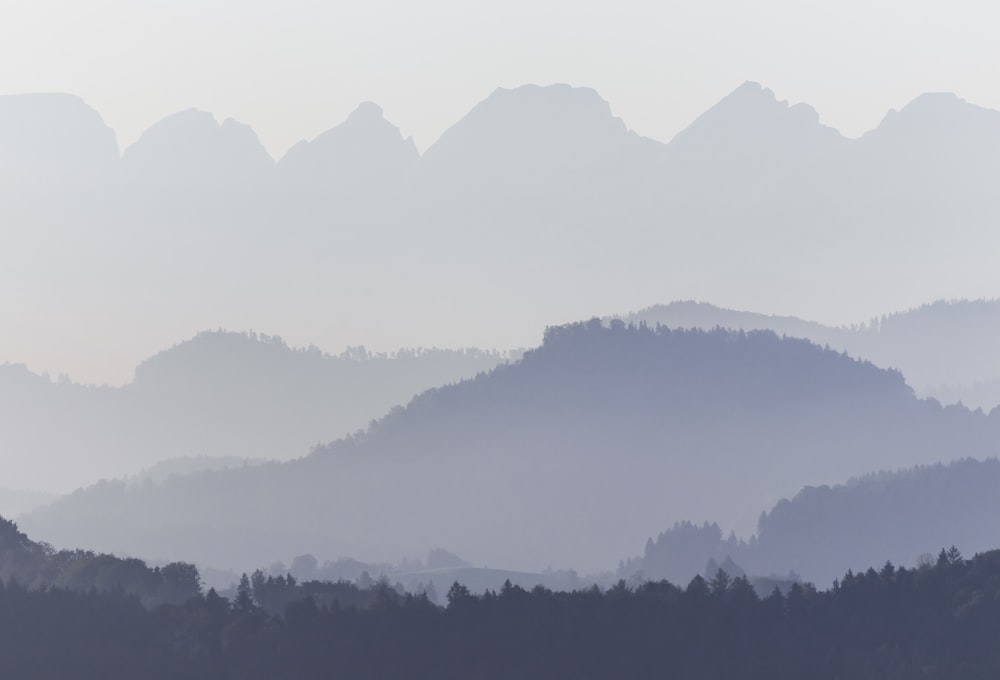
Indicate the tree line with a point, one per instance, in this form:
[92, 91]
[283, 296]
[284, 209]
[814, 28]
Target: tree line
[938, 620]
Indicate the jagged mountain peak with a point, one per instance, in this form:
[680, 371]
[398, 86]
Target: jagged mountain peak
[936, 113]
[190, 128]
[367, 111]
[365, 141]
[752, 110]
[532, 116]
[191, 146]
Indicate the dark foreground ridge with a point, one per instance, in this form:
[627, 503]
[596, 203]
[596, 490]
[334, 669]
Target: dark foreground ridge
[935, 621]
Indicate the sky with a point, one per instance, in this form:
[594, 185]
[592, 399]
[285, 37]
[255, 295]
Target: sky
[294, 68]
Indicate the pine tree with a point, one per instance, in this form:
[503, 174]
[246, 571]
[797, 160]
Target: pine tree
[244, 602]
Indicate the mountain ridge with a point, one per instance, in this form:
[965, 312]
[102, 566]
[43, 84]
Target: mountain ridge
[904, 516]
[217, 394]
[754, 89]
[548, 189]
[943, 347]
[609, 416]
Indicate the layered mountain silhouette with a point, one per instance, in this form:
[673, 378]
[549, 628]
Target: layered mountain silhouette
[216, 395]
[905, 517]
[570, 457]
[902, 517]
[706, 316]
[538, 193]
[945, 349]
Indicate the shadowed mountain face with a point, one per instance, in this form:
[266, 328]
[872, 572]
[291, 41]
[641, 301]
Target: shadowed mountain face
[573, 456]
[946, 349]
[218, 394]
[538, 193]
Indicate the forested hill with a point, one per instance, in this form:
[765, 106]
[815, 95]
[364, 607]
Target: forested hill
[946, 349]
[217, 394]
[693, 314]
[571, 457]
[38, 566]
[822, 531]
[900, 516]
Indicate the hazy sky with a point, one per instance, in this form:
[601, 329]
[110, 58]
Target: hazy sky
[294, 68]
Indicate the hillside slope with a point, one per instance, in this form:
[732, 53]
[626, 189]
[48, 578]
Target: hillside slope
[946, 349]
[570, 457]
[218, 394]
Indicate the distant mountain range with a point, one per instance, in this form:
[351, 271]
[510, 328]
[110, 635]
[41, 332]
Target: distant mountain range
[219, 394]
[538, 194]
[570, 457]
[249, 396]
[538, 207]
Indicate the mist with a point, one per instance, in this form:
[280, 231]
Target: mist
[536, 207]
[195, 226]
[544, 341]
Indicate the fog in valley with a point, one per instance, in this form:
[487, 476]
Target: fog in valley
[218, 395]
[571, 457]
[538, 206]
[384, 341]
